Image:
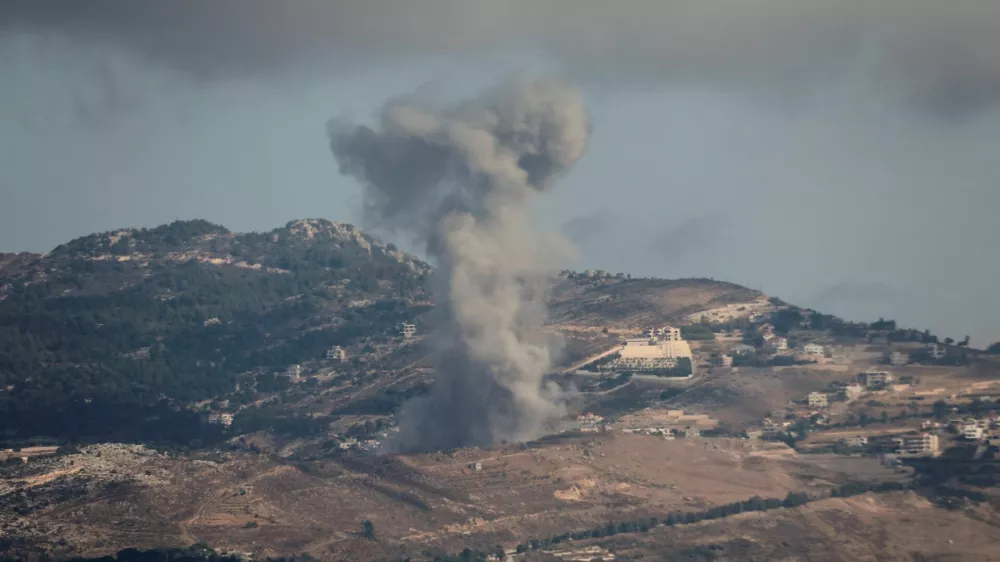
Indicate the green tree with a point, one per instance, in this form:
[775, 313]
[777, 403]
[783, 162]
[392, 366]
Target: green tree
[368, 530]
[940, 409]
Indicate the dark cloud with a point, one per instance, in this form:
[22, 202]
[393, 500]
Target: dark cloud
[587, 229]
[108, 99]
[854, 292]
[942, 55]
[691, 235]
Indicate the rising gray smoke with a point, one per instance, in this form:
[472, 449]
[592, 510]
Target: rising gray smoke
[462, 180]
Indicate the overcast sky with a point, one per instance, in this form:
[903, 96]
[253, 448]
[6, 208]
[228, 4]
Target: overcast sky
[839, 154]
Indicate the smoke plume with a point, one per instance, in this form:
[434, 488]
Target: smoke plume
[462, 180]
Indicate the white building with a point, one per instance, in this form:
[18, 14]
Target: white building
[409, 330]
[812, 349]
[875, 379]
[973, 429]
[336, 353]
[294, 372]
[818, 400]
[669, 333]
[936, 351]
[648, 353]
[692, 432]
[899, 358]
[781, 344]
[920, 444]
[221, 418]
[856, 441]
[644, 348]
[973, 432]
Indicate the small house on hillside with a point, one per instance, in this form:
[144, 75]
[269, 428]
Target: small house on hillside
[875, 379]
[813, 349]
[818, 400]
[899, 358]
[721, 361]
[336, 353]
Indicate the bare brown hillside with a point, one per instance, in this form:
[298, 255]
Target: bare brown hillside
[111, 497]
[897, 527]
[637, 303]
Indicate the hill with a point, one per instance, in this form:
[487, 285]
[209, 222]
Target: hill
[144, 335]
[101, 328]
[112, 335]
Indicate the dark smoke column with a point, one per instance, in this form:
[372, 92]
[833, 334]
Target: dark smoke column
[462, 179]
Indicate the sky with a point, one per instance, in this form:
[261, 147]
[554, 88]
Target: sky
[840, 155]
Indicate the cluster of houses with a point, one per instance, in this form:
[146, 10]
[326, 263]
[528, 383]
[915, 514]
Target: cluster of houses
[970, 429]
[867, 381]
[363, 444]
[591, 423]
[668, 433]
[769, 429]
[917, 444]
[669, 424]
[934, 351]
[372, 444]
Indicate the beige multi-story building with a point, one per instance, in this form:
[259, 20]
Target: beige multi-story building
[812, 349]
[669, 333]
[872, 379]
[918, 445]
[818, 400]
[899, 358]
[973, 432]
[409, 330]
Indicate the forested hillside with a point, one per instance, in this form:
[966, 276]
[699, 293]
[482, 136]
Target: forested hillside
[95, 333]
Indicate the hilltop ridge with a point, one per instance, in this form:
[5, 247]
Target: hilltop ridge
[129, 317]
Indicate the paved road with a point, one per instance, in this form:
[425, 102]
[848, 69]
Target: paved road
[591, 359]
